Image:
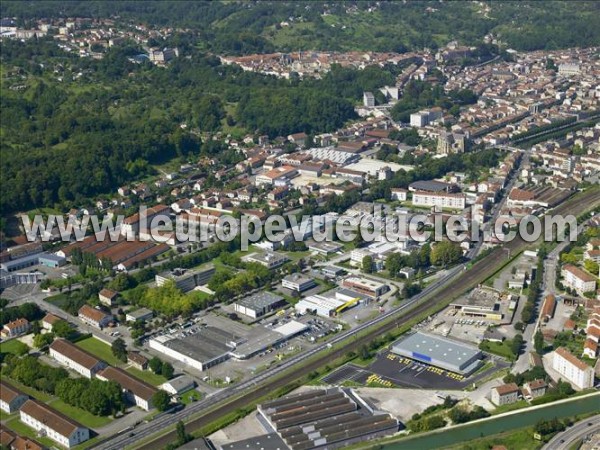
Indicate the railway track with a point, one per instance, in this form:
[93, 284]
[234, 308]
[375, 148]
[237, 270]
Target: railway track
[451, 286]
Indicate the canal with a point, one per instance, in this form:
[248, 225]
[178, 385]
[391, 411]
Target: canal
[526, 418]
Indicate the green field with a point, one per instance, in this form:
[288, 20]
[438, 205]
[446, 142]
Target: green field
[190, 396]
[13, 346]
[147, 375]
[519, 439]
[6, 416]
[100, 350]
[498, 348]
[85, 418]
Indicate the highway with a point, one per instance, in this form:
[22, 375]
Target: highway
[577, 432]
[454, 283]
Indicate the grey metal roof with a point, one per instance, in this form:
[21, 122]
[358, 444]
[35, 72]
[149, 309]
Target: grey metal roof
[429, 185]
[265, 442]
[260, 300]
[438, 348]
[207, 344]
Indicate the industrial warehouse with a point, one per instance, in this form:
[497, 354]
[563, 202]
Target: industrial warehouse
[318, 419]
[331, 303]
[439, 352]
[259, 304]
[203, 347]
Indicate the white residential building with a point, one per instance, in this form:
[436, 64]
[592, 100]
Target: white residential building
[578, 279]
[11, 398]
[94, 317]
[135, 390]
[16, 328]
[75, 358]
[505, 394]
[572, 369]
[52, 424]
[399, 194]
[439, 199]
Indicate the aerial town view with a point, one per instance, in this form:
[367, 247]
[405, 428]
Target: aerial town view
[294, 225]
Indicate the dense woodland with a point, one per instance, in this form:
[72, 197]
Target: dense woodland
[256, 27]
[82, 127]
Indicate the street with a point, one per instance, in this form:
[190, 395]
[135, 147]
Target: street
[571, 435]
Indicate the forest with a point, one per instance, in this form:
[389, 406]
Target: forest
[261, 27]
[83, 127]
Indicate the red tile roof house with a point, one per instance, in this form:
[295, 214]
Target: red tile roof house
[505, 394]
[56, 426]
[16, 328]
[8, 439]
[75, 358]
[137, 360]
[49, 320]
[11, 398]
[94, 317]
[107, 297]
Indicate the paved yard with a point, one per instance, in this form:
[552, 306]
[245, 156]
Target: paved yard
[404, 372]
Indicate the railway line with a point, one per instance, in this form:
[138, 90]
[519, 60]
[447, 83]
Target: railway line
[456, 282]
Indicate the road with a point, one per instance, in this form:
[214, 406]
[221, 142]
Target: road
[577, 432]
[456, 282]
[548, 287]
[40, 299]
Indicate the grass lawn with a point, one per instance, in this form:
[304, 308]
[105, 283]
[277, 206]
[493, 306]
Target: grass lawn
[87, 444]
[14, 346]
[23, 430]
[6, 416]
[99, 349]
[147, 375]
[510, 407]
[189, 396]
[78, 414]
[519, 439]
[498, 348]
[59, 300]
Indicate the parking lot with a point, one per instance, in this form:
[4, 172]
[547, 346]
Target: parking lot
[404, 372]
[349, 372]
[410, 373]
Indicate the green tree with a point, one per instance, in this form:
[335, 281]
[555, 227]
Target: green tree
[119, 349]
[516, 344]
[538, 342]
[161, 400]
[42, 340]
[35, 327]
[445, 253]
[63, 329]
[155, 365]
[182, 435]
[167, 370]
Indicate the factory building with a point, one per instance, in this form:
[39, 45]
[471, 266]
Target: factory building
[259, 304]
[324, 418]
